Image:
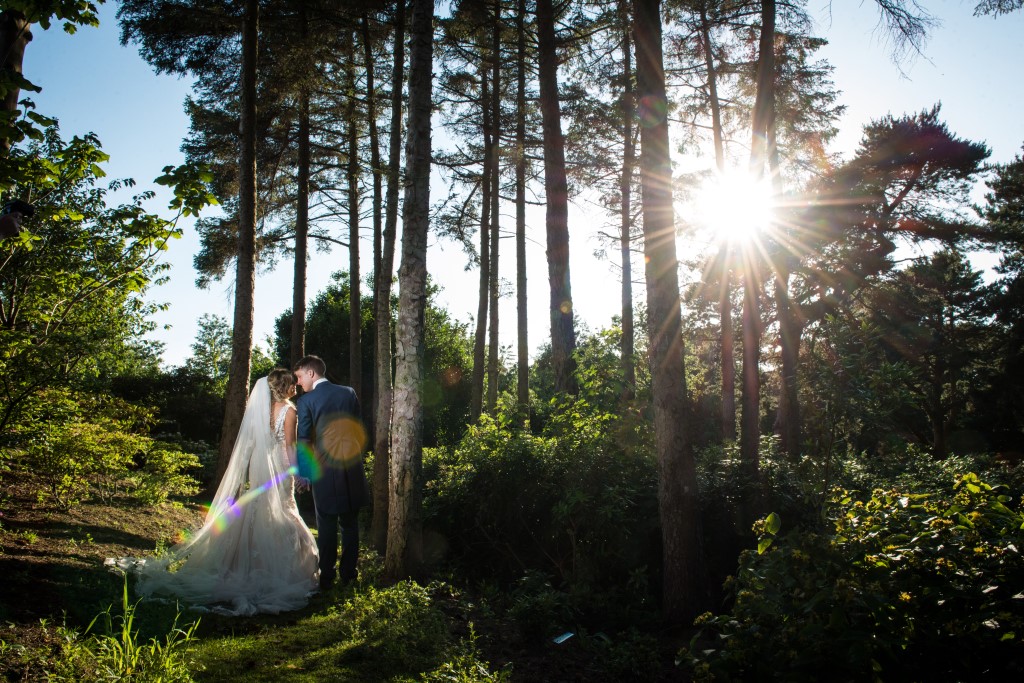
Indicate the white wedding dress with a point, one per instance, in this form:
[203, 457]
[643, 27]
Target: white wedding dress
[253, 554]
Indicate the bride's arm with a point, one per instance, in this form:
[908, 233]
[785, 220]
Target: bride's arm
[289, 437]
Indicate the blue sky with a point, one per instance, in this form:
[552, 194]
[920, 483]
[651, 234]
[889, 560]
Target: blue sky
[93, 84]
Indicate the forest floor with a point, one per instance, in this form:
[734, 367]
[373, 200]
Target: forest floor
[51, 564]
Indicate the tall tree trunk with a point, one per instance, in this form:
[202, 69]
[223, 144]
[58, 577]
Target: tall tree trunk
[493, 285]
[237, 390]
[298, 332]
[626, 210]
[790, 327]
[355, 345]
[677, 472]
[405, 539]
[725, 252]
[750, 433]
[378, 191]
[382, 298]
[728, 352]
[523, 349]
[14, 36]
[476, 399]
[556, 190]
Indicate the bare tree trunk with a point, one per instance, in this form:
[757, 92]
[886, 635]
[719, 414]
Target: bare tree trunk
[728, 359]
[382, 298]
[378, 199]
[750, 432]
[523, 350]
[298, 333]
[405, 536]
[728, 352]
[237, 390]
[556, 190]
[626, 210]
[493, 285]
[677, 472]
[14, 36]
[476, 401]
[355, 345]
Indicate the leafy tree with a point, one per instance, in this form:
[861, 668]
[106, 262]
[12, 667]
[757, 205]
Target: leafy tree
[932, 318]
[72, 286]
[211, 350]
[1004, 215]
[16, 19]
[447, 356]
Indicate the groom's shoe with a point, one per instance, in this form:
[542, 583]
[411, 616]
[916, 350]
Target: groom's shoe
[326, 585]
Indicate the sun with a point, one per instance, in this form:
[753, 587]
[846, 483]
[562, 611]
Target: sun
[734, 207]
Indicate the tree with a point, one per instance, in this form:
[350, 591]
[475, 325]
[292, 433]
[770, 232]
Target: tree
[405, 548]
[383, 280]
[237, 390]
[677, 471]
[72, 286]
[211, 350]
[15, 34]
[556, 193]
[933, 319]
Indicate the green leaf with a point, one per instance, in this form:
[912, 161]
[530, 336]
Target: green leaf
[773, 523]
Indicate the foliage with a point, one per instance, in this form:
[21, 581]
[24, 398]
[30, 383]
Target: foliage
[447, 361]
[69, 447]
[73, 285]
[570, 503]
[116, 653]
[466, 666]
[905, 586]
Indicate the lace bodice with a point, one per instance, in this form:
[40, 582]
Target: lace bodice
[279, 423]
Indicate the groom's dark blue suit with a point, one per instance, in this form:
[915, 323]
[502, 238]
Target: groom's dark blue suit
[328, 421]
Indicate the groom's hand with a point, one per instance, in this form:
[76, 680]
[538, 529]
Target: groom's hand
[302, 484]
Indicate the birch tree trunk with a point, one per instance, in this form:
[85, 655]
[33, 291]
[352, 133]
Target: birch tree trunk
[405, 534]
[382, 298]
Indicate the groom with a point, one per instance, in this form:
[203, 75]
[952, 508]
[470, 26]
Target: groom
[329, 430]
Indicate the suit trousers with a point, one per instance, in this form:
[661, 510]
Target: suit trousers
[327, 544]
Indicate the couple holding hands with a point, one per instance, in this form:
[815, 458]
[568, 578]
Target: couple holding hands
[254, 554]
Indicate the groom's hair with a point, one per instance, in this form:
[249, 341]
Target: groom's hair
[314, 363]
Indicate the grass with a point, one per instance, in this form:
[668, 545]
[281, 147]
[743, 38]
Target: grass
[57, 600]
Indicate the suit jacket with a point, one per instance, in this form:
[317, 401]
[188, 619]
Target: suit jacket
[330, 428]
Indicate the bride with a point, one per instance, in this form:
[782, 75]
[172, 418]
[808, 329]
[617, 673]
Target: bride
[253, 554]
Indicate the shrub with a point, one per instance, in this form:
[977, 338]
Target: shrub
[906, 586]
[72, 447]
[569, 502]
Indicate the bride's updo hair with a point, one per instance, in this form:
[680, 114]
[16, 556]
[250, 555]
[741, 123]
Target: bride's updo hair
[281, 382]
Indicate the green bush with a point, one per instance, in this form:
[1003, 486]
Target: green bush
[569, 503]
[71, 447]
[906, 586]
